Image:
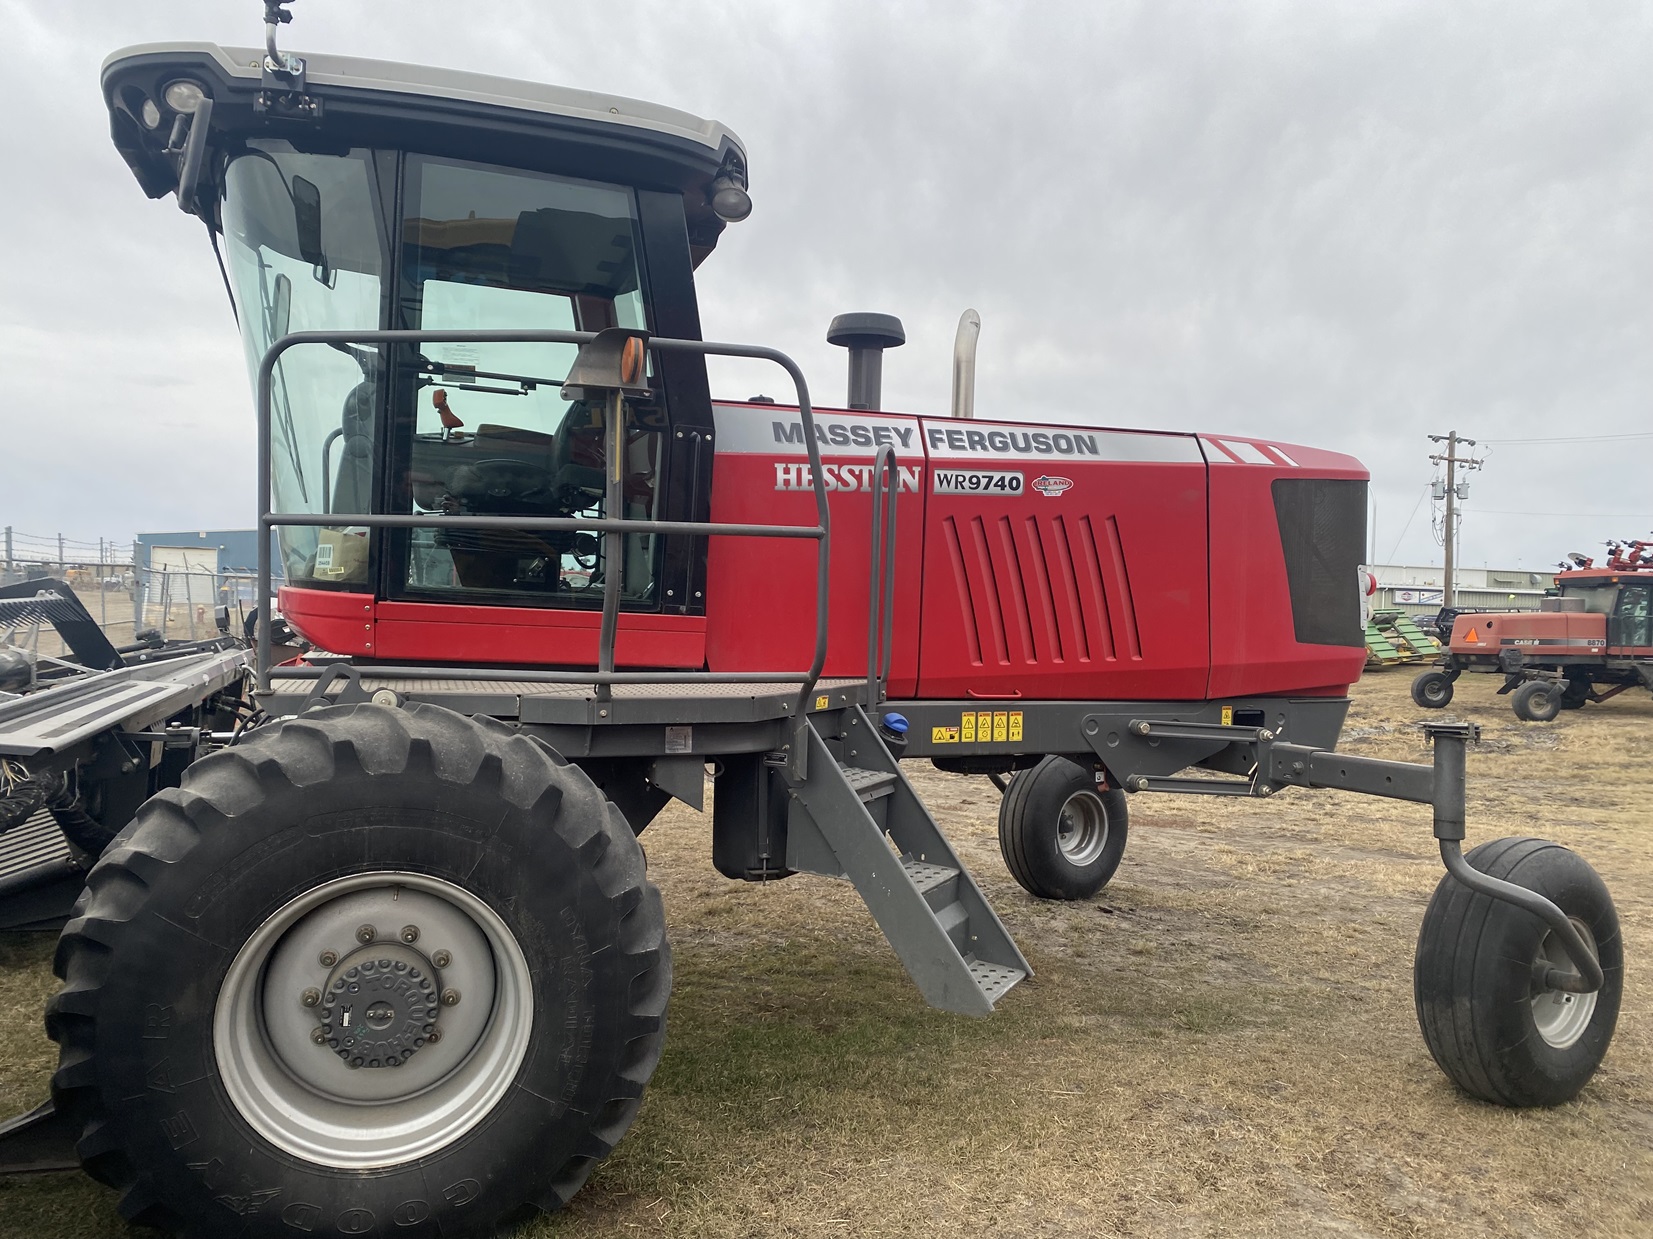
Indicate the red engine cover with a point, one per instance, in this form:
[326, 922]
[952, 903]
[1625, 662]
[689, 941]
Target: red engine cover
[1031, 561]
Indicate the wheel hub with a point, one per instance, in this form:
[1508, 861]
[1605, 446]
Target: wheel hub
[1561, 1017]
[380, 1006]
[1082, 830]
[323, 992]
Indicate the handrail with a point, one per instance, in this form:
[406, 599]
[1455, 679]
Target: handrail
[821, 532]
[886, 485]
[327, 468]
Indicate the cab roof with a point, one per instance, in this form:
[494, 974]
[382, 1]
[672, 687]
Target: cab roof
[433, 109]
[437, 82]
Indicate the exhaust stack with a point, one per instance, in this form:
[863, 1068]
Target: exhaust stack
[964, 364]
[866, 336]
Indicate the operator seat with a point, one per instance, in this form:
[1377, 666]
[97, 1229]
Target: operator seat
[353, 487]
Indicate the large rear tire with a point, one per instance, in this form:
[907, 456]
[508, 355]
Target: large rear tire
[1061, 835]
[1577, 694]
[1492, 1027]
[370, 970]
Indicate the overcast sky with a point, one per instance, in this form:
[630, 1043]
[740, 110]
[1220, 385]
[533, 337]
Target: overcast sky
[1343, 224]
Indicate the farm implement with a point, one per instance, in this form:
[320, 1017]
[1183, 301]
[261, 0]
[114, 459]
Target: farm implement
[387, 958]
[1588, 642]
[1394, 637]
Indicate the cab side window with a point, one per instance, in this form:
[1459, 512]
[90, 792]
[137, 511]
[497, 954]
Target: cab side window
[1632, 619]
[486, 248]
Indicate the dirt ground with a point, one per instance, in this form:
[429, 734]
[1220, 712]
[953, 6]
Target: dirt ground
[1222, 1043]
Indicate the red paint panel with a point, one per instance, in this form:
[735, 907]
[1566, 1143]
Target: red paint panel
[1254, 648]
[337, 622]
[760, 603]
[1087, 581]
[1570, 633]
[445, 632]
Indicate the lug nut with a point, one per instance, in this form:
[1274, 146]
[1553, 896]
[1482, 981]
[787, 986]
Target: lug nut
[329, 958]
[310, 997]
[433, 1036]
[450, 998]
[319, 1036]
[441, 959]
[410, 934]
[366, 934]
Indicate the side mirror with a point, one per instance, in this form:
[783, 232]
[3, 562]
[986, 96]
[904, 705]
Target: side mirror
[307, 222]
[281, 307]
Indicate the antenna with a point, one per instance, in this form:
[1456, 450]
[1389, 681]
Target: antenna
[284, 91]
[276, 14]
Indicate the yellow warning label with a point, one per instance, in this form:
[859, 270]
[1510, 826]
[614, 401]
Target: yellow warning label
[984, 726]
[822, 702]
[1228, 716]
[944, 735]
[1015, 726]
[967, 727]
[1001, 727]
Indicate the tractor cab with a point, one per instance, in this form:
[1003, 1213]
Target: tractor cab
[1622, 596]
[349, 194]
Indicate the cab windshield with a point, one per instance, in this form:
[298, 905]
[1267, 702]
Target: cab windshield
[293, 270]
[474, 428]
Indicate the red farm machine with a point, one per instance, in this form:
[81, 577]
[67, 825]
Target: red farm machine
[1589, 641]
[387, 958]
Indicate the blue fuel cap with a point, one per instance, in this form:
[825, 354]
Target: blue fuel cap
[896, 723]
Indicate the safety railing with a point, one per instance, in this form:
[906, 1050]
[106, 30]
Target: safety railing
[886, 488]
[605, 676]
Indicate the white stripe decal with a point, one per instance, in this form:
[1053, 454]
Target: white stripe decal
[779, 431]
[950, 439]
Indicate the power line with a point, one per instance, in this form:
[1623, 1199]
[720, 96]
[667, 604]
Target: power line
[1640, 434]
[1612, 516]
[1396, 549]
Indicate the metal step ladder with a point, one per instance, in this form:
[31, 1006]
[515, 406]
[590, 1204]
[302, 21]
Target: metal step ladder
[853, 815]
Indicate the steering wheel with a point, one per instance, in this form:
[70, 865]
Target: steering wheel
[583, 551]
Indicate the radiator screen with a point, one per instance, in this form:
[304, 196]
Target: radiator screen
[1323, 534]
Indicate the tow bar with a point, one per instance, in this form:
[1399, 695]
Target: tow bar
[1441, 785]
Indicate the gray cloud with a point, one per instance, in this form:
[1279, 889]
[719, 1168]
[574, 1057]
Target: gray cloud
[1341, 224]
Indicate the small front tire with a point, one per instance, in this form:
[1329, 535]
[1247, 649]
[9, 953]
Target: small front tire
[1061, 835]
[1432, 690]
[1491, 1027]
[1536, 701]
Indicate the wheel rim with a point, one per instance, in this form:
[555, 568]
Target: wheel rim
[1560, 1017]
[461, 975]
[1082, 829]
[1434, 690]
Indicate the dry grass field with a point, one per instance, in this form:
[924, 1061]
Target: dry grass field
[1221, 1044]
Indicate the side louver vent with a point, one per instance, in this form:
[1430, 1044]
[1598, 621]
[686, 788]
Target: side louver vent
[1040, 591]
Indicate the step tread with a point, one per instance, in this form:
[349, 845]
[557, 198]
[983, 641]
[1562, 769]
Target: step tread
[867, 782]
[994, 979]
[926, 876]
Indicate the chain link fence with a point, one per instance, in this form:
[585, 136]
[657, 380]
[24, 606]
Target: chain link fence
[129, 602]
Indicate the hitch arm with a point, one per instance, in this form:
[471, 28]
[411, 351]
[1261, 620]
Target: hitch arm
[1441, 786]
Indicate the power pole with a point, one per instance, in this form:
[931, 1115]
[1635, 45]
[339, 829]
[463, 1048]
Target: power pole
[1452, 460]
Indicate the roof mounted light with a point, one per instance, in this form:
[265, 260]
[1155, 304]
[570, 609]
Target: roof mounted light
[730, 201]
[184, 96]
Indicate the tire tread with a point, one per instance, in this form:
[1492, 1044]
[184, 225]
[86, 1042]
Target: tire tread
[379, 741]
